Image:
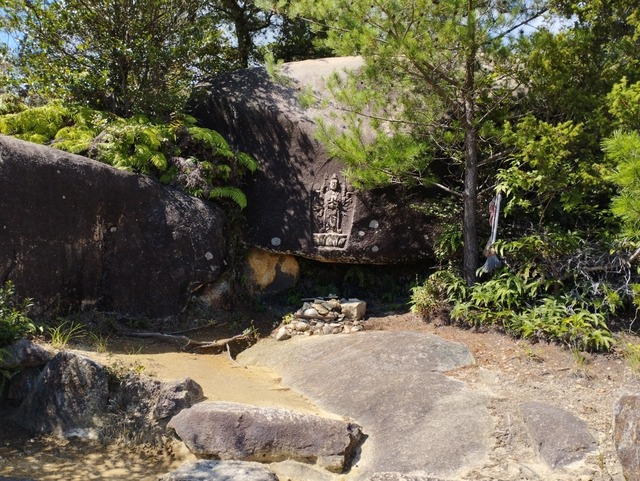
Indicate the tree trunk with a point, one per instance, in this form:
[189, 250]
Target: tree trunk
[469, 224]
[470, 200]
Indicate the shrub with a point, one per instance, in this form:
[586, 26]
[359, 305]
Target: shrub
[520, 303]
[14, 322]
[436, 293]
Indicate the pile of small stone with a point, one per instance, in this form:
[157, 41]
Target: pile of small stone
[323, 316]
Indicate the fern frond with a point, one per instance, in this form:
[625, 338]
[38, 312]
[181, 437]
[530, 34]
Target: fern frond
[211, 139]
[246, 161]
[7, 125]
[159, 161]
[224, 171]
[228, 192]
[74, 139]
[151, 136]
[11, 104]
[35, 138]
[122, 161]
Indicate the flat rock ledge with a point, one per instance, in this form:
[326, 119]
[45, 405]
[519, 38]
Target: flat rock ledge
[234, 431]
[208, 470]
[418, 421]
[561, 437]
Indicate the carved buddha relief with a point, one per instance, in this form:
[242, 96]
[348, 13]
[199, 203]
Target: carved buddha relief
[331, 212]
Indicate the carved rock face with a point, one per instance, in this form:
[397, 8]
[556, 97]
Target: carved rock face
[76, 234]
[299, 202]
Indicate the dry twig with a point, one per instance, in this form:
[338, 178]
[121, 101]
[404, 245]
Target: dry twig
[185, 341]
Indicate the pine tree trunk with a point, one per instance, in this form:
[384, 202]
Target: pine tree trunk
[470, 200]
[469, 223]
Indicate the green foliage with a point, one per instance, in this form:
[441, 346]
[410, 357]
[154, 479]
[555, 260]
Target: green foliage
[135, 145]
[296, 40]
[564, 321]
[10, 103]
[624, 104]
[100, 342]
[525, 309]
[14, 322]
[525, 304]
[65, 332]
[436, 292]
[233, 193]
[274, 70]
[138, 144]
[307, 97]
[546, 176]
[38, 124]
[631, 353]
[125, 57]
[623, 149]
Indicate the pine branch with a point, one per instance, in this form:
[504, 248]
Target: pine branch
[518, 25]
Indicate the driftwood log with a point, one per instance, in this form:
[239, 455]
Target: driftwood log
[185, 342]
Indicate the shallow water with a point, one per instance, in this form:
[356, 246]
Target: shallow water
[221, 378]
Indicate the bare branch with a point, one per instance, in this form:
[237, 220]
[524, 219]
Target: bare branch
[447, 189]
[185, 341]
[518, 25]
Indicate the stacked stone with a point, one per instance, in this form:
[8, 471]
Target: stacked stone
[324, 316]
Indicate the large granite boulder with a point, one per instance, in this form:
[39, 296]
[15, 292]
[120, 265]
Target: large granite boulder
[299, 202]
[233, 431]
[419, 422]
[67, 398]
[75, 233]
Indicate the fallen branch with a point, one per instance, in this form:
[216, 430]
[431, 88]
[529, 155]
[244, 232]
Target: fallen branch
[184, 340]
[634, 256]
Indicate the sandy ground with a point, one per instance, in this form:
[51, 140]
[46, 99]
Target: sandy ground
[509, 371]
